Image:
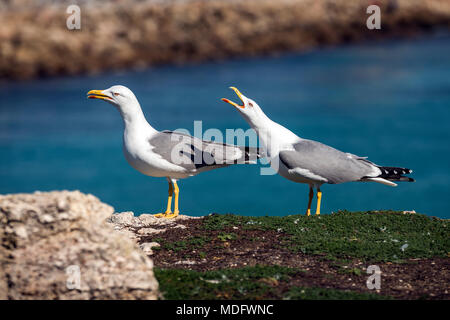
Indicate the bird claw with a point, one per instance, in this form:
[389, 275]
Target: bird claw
[159, 215]
[171, 216]
[166, 215]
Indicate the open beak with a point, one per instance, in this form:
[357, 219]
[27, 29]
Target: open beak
[233, 103]
[98, 94]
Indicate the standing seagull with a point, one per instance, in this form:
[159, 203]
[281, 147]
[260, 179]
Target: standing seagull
[308, 161]
[167, 154]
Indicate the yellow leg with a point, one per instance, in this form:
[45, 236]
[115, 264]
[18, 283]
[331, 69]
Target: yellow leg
[169, 200]
[175, 211]
[311, 195]
[169, 203]
[319, 198]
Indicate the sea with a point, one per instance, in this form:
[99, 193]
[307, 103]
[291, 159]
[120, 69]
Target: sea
[387, 100]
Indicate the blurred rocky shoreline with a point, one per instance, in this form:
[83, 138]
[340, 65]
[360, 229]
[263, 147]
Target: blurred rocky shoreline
[35, 41]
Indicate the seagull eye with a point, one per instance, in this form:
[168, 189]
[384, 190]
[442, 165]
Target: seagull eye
[116, 94]
[250, 104]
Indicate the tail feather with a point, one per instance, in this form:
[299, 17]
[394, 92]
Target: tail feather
[395, 174]
[381, 180]
[250, 155]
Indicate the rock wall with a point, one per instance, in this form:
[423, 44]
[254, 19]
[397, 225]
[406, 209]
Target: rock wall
[46, 237]
[34, 39]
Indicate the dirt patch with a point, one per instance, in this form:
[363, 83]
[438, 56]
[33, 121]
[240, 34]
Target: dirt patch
[193, 247]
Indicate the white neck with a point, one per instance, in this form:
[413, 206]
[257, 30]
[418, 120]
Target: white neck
[134, 119]
[258, 121]
[273, 136]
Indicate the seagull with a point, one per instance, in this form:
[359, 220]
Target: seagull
[311, 162]
[168, 154]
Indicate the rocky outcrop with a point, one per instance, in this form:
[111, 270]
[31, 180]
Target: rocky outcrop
[57, 245]
[145, 225]
[34, 39]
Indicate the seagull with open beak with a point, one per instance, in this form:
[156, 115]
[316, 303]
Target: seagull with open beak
[311, 162]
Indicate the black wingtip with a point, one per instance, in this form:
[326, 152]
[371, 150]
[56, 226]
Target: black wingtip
[395, 174]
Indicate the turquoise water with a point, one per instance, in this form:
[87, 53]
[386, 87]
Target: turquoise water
[389, 101]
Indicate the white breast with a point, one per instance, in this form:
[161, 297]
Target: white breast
[139, 154]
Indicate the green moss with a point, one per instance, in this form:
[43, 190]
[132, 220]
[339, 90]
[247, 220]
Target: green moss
[337, 238]
[174, 246]
[191, 243]
[250, 283]
[226, 236]
[372, 236]
[198, 242]
[300, 293]
[351, 271]
[242, 283]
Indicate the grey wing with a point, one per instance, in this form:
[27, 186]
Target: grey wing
[332, 165]
[194, 154]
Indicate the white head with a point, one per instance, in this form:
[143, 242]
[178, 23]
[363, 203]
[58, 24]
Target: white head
[249, 109]
[120, 97]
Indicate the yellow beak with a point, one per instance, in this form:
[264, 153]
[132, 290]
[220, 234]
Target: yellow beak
[98, 94]
[233, 103]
